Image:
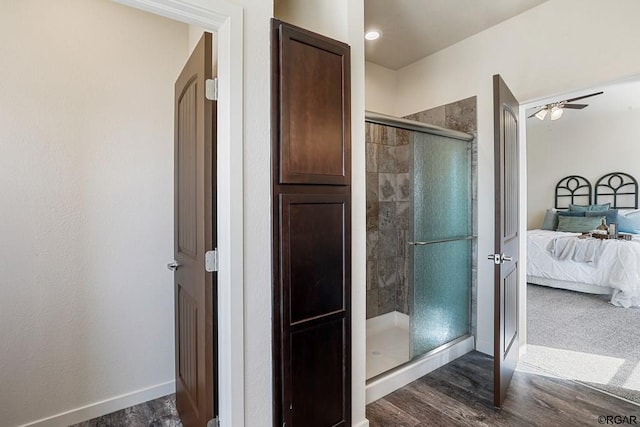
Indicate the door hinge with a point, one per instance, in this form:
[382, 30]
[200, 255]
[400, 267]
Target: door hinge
[211, 261]
[211, 89]
[214, 422]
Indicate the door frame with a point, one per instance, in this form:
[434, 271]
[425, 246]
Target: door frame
[524, 106]
[226, 19]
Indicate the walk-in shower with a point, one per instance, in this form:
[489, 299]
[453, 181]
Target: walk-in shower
[420, 248]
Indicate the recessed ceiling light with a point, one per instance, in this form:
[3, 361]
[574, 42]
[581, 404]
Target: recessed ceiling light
[372, 35]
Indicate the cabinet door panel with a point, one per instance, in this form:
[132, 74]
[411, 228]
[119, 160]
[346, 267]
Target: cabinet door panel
[313, 246]
[314, 111]
[317, 375]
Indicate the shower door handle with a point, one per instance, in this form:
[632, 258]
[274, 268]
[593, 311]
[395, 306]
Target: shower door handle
[431, 242]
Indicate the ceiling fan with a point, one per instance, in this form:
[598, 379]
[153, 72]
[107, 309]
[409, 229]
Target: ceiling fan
[556, 109]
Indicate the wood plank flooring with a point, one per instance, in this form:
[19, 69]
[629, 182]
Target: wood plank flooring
[458, 394]
[461, 394]
[154, 413]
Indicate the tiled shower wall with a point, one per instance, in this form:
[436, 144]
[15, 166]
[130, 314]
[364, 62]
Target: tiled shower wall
[388, 203]
[389, 208]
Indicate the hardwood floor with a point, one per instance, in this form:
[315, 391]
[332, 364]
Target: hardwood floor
[460, 394]
[155, 413]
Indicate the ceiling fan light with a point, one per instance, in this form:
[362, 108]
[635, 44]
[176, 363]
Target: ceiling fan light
[541, 114]
[556, 113]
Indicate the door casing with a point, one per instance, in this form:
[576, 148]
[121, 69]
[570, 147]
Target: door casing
[226, 19]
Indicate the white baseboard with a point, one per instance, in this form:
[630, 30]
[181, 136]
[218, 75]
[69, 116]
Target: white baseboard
[400, 377]
[485, 347]
[104, 407]
[363, 423]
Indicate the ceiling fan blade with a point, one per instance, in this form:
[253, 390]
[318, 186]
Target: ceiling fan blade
[575, 106]
[583, 97]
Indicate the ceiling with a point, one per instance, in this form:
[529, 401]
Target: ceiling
[617, 99]
[413, 29]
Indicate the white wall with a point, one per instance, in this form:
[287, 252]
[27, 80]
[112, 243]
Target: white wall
[195, 34]
[326, 17]
[585, 145]
[381, 89]
[257, 208]
[538, 54]
[86, 224]
[354, 11]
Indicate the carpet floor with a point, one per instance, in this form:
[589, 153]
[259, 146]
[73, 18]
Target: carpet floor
[585, 338]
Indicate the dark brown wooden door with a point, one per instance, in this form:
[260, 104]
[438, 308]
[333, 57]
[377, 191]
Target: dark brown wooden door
[194, 235]
[507, 237]
[311, 229]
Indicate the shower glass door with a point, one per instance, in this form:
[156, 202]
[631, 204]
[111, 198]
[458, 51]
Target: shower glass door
[440, 241]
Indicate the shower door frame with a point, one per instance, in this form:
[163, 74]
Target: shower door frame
[415, 126]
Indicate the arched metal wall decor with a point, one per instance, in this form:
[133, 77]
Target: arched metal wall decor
[572, 189]
[618, 188]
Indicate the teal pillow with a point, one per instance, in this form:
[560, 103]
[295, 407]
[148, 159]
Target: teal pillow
[629, 221]
[549, 220]
[590, 208]
[564, 213]
[579, 224]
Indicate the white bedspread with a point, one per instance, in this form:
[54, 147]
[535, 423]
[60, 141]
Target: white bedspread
[615, 263]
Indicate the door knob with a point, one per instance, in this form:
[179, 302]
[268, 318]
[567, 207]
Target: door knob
[494, 257]
[499, 258]
[173, 266]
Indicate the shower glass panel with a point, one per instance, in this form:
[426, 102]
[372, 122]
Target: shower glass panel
[420, 243]
[441, 241]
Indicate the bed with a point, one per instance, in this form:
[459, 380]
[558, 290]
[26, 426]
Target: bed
[570, 260]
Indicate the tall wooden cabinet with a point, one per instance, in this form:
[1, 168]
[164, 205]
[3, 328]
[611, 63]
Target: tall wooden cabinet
[311, 171]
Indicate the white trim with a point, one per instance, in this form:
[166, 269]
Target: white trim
[403, 376]
[522, 229]
[226, 19]
[364, 423]
[104, 407]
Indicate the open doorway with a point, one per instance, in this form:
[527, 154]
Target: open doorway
[88, 212]
[582, 294]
